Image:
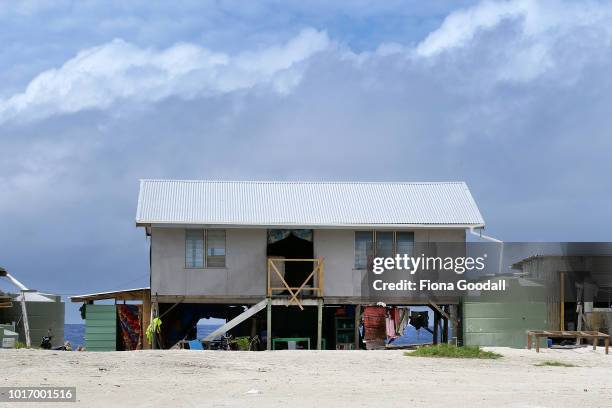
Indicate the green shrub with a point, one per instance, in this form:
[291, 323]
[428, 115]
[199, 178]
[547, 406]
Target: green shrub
[450, 351]
[554, 363]
[242, 343]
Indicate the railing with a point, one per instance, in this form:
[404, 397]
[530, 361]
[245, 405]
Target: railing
[274, 272]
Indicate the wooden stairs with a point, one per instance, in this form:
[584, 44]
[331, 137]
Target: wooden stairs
[237, 320]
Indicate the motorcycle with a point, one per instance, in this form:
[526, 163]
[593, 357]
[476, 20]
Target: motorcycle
[45, 344]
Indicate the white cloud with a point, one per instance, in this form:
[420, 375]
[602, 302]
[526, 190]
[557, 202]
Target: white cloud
[460, 27]
[536, 29]
[518, 40]
[101, 75]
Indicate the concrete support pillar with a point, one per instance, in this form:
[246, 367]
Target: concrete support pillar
[319, 322]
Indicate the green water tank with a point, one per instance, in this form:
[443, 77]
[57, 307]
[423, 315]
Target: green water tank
[45, 315]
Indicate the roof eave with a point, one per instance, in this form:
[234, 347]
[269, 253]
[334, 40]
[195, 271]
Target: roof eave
[174, 224]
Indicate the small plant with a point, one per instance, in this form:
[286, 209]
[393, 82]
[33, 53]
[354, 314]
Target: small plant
[19, 344]
[554, 363]
[242, 343]
[450, 351]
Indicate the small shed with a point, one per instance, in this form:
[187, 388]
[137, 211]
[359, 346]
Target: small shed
[101, 328]
[502, 319]
[107, 328]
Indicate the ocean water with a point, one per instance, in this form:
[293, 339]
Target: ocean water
[75, 334]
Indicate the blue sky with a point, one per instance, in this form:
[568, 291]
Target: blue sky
[512, 97]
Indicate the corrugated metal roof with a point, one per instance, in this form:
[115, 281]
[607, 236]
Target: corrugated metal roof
[332, 204]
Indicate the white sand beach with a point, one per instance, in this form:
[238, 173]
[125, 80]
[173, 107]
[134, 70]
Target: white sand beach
[314, 379]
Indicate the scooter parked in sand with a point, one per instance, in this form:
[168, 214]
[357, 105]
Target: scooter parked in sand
[46, 344]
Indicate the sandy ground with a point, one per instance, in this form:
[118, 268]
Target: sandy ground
[313, 378]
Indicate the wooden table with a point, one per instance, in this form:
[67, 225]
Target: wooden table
[566, 334]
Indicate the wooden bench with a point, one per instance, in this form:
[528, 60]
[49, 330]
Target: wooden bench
[595, 336]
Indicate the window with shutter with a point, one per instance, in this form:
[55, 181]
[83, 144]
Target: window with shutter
[215, 248]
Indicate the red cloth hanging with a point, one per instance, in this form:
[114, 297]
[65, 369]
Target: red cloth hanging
[374, 323]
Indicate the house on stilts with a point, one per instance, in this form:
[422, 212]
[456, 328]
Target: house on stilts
[287, 259]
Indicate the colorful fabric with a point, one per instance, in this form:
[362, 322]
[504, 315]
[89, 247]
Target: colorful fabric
[130, 322]
[384, 323]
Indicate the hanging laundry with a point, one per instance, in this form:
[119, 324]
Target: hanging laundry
[402, 323]
[419, 320]
[129, 322]
[395, 322]
[390, 324]
[374, 321]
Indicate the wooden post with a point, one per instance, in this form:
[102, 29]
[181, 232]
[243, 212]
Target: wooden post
[528, 340]
[269, 326]
[436, 326]
[146, 317]
[319, 322]
[453, 312]
[253, 326]
[269, 280]
[357, 321]
[321, 276]
[26, 322]
[562, 300]
[445, 327]
[154, 314]
[459, 320]
[579, 310]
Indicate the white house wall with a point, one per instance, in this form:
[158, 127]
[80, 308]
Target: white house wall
[245, 272]
[337, 247]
